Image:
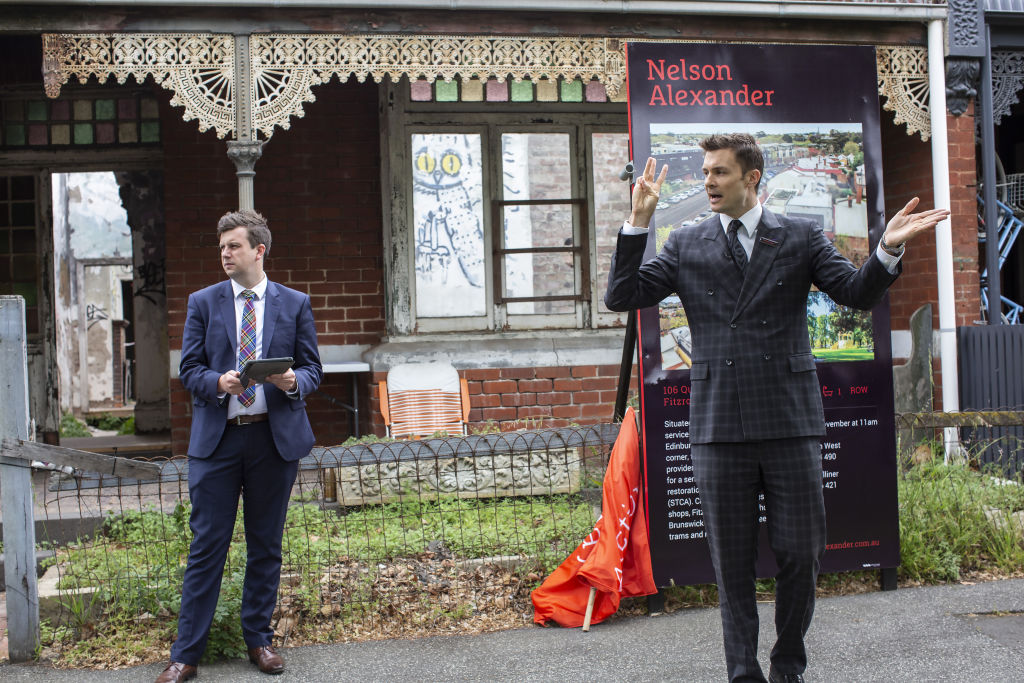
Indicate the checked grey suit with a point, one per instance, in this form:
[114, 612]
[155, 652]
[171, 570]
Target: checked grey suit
[755, 404]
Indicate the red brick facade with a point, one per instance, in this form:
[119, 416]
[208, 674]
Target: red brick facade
[907, 171]
[319, 186]
[513, 398]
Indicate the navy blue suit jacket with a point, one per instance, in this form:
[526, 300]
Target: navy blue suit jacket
[753, 375]
[208, 351]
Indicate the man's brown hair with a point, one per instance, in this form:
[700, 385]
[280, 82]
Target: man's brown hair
[743, 145]
[254, 223]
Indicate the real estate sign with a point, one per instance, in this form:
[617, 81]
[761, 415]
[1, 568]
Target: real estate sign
[814, 111]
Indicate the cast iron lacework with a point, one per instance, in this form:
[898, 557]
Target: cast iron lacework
[285, 67]
[1007, 79]
[903, 81]
[198, 68]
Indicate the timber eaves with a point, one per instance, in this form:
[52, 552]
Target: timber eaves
[870, 10]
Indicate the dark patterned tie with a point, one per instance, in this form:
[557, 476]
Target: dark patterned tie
[247, 344]
[739, 255]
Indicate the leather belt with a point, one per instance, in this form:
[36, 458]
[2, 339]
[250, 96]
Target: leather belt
[247, 419]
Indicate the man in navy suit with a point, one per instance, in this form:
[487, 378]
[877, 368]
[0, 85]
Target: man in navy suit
[756, 417]
[244, 440]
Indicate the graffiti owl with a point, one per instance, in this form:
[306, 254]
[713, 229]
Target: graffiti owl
[447, 176]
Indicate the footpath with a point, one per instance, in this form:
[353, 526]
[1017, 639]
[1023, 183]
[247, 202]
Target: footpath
[939, 633]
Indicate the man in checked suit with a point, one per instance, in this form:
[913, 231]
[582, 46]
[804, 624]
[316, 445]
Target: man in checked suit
[756, 418]
[244, 440]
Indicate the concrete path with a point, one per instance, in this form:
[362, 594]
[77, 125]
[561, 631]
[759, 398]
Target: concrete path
[942, 633]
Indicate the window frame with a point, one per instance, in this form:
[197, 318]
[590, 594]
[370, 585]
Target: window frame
[401, 119]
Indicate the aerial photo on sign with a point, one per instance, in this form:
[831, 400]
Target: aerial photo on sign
[812, 170]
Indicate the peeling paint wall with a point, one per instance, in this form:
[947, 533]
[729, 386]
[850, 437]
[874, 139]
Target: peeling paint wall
[97, 221]
[89, 223]
[142, 196]
[103, 305]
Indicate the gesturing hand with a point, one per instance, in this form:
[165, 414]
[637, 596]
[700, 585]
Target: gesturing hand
[646, 193]
[904, 226]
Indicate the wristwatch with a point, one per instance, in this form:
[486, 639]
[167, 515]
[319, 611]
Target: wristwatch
[891, 251]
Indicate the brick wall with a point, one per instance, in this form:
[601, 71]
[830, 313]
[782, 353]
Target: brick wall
[513, 398]
[318, 184]
[964, 205]
[907, 172]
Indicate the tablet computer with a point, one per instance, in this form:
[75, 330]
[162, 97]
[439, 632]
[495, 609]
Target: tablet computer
[259, 370]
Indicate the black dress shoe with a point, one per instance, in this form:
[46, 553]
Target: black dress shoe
[176, 672]
[775, 677]
[268, 661]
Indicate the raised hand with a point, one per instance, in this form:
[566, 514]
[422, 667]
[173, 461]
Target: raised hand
[904, 226]
[646, 193]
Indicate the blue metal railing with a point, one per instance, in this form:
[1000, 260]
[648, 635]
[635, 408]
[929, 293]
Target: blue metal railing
[1008, 228]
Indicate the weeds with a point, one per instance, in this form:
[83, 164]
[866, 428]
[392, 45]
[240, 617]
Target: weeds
[954, 518]
[71, 427]
[336, 566]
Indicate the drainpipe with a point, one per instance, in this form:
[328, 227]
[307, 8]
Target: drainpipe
[988, 179]
[943, 232]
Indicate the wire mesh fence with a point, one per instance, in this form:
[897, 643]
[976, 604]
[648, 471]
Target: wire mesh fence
[449, 534]
[381, 539]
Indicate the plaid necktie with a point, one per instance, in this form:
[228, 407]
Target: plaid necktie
[739, 254]
[247, 344]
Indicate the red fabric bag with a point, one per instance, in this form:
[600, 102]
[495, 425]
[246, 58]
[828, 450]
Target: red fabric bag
[616, 557]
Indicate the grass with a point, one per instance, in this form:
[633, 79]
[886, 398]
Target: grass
[830, 355]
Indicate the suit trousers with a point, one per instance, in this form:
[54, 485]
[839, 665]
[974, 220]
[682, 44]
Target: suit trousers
[245, 462]
[731, 476]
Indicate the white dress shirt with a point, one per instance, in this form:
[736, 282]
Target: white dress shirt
[259, 405]
[746, 236]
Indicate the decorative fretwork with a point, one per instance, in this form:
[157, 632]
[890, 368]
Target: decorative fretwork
[197, 68]
[285, 67]
[1007, 79]
[903, 81]
[965, 24]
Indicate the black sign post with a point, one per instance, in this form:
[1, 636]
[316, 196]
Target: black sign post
[814, 111]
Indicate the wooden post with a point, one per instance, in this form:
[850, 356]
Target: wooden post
[590, 609]
[16, 486]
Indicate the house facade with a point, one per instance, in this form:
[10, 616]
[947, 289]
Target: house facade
[443, 181]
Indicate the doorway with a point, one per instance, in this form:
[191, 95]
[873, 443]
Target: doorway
[110, 299]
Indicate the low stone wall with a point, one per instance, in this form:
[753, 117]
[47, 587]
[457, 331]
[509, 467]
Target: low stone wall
[483, 476]
[523, 463]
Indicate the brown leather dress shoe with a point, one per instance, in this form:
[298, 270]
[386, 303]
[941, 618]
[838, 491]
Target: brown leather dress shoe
[268, 661]
[176, 672]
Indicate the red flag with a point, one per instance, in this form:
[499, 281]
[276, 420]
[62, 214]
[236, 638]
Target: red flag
[616, 557]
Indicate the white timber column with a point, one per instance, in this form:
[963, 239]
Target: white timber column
[943, 232]
[245, 150]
